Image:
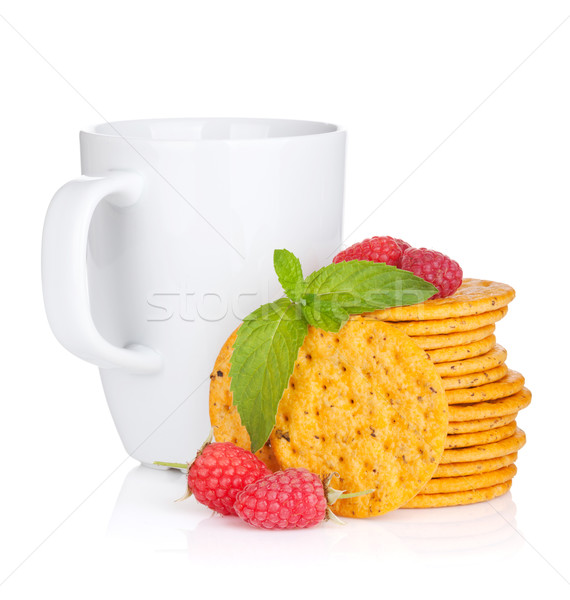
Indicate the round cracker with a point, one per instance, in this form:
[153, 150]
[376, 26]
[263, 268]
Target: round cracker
[446, 340]
[474, 379]
[475, 296]
[445, 485]
[510, 384]
[485, 451]
[453, 325]
[456, 427]
[495, 408]
[473, 467]
[459, 498]
[494, 358]
[224, 416]
[367, 404]
[454, 353]
[465, 440]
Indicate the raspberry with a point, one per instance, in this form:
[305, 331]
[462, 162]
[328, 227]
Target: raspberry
[294, 498]
[403, 245]
[220, 471]
[376, 249]
[434, 267]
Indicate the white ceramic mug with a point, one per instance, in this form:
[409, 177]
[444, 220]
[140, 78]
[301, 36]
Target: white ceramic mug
[152, 258]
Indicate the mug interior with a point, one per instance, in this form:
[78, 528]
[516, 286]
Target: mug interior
[212, 129]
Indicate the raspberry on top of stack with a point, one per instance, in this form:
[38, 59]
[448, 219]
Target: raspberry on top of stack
[435, 267]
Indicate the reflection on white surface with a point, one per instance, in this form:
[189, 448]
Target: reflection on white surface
[459, 530]
[146, 514]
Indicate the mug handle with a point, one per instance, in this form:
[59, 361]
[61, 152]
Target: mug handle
[64, 270]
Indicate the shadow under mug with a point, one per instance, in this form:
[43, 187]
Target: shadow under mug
[153, 257]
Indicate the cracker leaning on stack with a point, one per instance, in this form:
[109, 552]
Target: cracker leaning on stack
[367, 404]
[344, 412]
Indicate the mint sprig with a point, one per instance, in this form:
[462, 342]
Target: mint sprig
[268, 341]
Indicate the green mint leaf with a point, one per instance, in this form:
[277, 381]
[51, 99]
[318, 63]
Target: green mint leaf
[263, 359]
[360, 286]
[324, 314]
[290, 273]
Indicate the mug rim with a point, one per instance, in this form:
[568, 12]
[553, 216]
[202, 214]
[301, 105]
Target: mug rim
[127, 129]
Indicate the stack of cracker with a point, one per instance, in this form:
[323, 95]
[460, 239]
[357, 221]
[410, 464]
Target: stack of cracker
[484, 395]
[415, 403]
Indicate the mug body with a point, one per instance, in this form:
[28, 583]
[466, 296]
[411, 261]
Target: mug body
[179, 269]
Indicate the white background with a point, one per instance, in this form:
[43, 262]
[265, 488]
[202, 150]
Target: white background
[459, 139]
